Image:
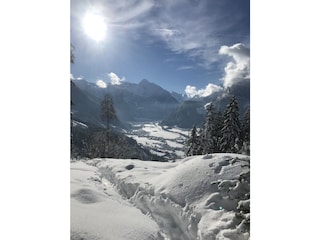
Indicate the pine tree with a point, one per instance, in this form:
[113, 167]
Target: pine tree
[217, 126]
[193, 142]
[245, 133]
[209, 140]
[201, 140]
[108, 113]
[231, 130]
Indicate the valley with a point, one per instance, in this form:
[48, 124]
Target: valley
[164, 141]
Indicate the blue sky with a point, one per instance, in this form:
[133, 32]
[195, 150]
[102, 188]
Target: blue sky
[187, 46]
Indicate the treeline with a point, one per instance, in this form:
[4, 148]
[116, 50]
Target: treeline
[91, 141]
[221, 132]
[96, 142]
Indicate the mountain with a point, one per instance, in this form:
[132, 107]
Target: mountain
[146, 101]
[192, 112]
[187, 114]
[180, 97]
[84, 107]
[133, 102]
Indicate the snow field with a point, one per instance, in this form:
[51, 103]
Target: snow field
[201, 197]
[99, 212]
[162, 141]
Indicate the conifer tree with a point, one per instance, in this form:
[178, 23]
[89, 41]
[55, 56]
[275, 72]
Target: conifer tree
[108, 113]
[231, 130]
[193, 142]
[209, 140]
[245, 132]
[218, 125]
[201, 140]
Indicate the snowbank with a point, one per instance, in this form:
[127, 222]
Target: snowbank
[201, 197]
[98, 212]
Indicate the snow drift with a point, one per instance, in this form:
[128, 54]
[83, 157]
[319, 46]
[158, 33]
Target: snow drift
[200, 197]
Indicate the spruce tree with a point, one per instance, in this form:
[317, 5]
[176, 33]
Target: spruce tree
[231, 130]
[193, 142]
[245, 133]
[108, 113]
[209, 140]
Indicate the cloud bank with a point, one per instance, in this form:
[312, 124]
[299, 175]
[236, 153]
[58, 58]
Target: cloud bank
[238, 70]
[114, 79]
[192, 91]
[101, 84]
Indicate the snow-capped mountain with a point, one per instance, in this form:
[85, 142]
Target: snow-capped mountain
[192, 112]
[133, 102]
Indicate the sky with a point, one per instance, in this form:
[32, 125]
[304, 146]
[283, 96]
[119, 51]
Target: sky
[193, 47]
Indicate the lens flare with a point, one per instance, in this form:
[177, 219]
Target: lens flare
[94, 26]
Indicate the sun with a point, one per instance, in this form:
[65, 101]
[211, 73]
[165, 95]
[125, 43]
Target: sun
[94, 26]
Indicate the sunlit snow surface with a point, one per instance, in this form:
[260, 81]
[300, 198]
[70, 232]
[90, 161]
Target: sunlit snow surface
[201, 197]
[161, 140]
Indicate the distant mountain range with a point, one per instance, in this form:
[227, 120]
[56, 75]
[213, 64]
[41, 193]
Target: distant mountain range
[146, 101]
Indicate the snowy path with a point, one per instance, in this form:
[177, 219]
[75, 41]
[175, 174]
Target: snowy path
[99, 212]
[205, 197]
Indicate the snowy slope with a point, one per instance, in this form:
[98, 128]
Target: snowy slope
[200, 197]
[99, 212]
[168, 142]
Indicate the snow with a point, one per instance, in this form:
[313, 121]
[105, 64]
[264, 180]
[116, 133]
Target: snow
[79, 124]
[161, 140]
[99, 212]
[200, 197]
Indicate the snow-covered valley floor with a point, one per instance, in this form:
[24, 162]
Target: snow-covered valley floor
[165, 141]
[201, 197]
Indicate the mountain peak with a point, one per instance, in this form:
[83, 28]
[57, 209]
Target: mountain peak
[144, 81]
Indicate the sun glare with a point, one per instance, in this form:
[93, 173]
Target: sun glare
[94, 26]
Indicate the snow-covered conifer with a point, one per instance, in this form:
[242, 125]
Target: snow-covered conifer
[193, 142]
[231, 131]
[209, 142]
[245, 133]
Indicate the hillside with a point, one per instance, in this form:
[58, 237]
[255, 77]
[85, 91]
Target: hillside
[132, 102]
[201, 197]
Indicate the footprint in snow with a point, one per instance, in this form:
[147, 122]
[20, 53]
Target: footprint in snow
[85, 196]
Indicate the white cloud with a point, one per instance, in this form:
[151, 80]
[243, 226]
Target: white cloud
[114, 79]
[101, 83]
[126, 11]
[184, 26]
[198, 36]
[192, 91]
[238, 70]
